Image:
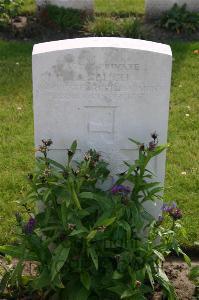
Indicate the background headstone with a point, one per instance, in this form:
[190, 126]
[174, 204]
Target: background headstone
[155, 8]
[101, 91]
[86, 5]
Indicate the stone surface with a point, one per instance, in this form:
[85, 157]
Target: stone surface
[76, 4]
[19, 23]
[101, 91]
[155, 8]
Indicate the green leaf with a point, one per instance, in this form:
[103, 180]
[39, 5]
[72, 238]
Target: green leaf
[106, 215]
[73, 146]
[159, 255]
[129, 293]
[53, 162]
[158, 150]
[194, 274]
[149, 273]
[165, 283]
[60, 256]
[17, 273]
[86, 280]
[101, 200]
[185, 256]
[117, 275]
[64, 213]
[118, 289]
[135, 142]
[126, 227]
[43, 280]
[46, 195]
[91, 235]
[105, 222]
[72, 151]
[93, 254]
[77, 231]
[57, 283]
[17, 252]
[88, 195]
[74, 195]
[5, 281]
[77, 293]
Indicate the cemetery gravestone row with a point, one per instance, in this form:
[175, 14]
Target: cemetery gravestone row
[155, 8]
[101, 91]
[86, 5]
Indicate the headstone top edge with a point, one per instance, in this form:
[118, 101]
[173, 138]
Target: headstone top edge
[102, 42]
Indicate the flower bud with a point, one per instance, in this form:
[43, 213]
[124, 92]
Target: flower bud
[154, 135]
[142, 147]
[138, 284]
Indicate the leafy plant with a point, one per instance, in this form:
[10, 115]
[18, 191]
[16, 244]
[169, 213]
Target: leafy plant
[102, 26]
[8, 10]
[180, 20]
[111, 26]
[132, 28]
[87, 242]
[64, 18]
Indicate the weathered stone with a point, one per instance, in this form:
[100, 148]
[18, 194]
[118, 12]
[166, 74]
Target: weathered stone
[19, 23]
[101, 91]
[155, 8]
[86, 5]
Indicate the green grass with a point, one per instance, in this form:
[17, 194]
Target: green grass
[103, 6]
[16, 129]
[183, 155]
[119, 6]
[29, 6]
[16, 133]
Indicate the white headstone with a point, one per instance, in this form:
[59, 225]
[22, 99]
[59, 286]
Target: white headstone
[86, 5]
[155, 8]
[102, 91]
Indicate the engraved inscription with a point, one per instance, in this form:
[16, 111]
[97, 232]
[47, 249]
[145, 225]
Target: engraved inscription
[101, 119]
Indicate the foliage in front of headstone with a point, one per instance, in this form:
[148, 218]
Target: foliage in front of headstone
[8, 10]
[63, 18]
[194, 277]
[130, 27]
[88, 242]
[180, 20]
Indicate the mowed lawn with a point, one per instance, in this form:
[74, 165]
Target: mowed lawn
[16, 134]
[104, 6]
[16, 126]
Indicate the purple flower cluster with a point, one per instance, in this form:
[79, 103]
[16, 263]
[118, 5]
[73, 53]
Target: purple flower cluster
[152, 146]
[30, 226]
[172, 210]
[120, 189]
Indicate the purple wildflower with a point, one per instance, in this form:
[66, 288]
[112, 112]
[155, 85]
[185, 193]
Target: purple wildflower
[164, 207]
[30, 226]
[172, 210]
[120, 189]
[176, 214]
[168, 208]
[152, 145]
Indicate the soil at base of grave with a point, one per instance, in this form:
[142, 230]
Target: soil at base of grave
[176, 270]
[30, 28]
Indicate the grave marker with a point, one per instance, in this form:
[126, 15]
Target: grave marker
[101, 91]
[86, 5]
[155, 8]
